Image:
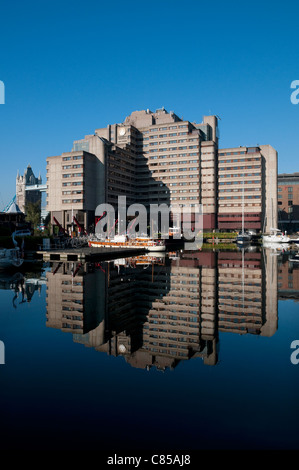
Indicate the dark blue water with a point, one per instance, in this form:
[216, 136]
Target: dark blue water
[63, 388]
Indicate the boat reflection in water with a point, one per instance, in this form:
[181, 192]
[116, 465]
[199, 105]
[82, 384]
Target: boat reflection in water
[164, 309]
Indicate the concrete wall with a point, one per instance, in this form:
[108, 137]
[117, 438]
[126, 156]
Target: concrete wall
[271, 213]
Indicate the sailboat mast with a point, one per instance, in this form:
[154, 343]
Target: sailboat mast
[243, 207]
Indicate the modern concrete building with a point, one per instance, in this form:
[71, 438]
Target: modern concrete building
[288, 202]
[247, 188]
[157, 157]
[80, 180]
[73, 185]
[176, 160]
[149, 158]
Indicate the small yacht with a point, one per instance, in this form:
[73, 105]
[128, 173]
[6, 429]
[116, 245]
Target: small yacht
[122, 241]
[276, 236]
[243, 237]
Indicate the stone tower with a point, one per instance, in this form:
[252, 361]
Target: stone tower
[30, 195]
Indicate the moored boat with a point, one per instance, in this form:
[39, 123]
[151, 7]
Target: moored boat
[243, 237]
[122, 241]
[276, 236]
[12, 257]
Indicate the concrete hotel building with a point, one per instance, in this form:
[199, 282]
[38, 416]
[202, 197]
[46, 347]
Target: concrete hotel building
[247, 186]
[157, 157]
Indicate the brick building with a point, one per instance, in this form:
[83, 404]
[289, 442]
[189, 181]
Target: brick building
[288, 201]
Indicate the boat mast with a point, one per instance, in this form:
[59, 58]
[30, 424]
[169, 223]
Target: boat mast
[243, 207]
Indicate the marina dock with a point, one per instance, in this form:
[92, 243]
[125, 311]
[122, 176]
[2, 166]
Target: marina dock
[86, 254]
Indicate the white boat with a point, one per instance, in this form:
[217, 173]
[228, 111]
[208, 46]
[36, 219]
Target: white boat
[12, 257]
[277, 248]
[276, 236]
[123, 241]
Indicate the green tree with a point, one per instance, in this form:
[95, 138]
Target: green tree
[33, 211]
[47, 223]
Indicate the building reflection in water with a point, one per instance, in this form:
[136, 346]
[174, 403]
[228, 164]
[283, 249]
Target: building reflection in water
[159, 311]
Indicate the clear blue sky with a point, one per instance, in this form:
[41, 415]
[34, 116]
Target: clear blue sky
[70, 67]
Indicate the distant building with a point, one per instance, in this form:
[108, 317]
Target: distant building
[13, 218]
[288, 201]
[24, 193]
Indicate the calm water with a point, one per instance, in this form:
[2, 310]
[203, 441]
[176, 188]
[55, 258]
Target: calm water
[187, 351]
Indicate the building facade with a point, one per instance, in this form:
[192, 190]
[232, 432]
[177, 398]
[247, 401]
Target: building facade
[159, 158]
[288, 201]
[247, 188]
